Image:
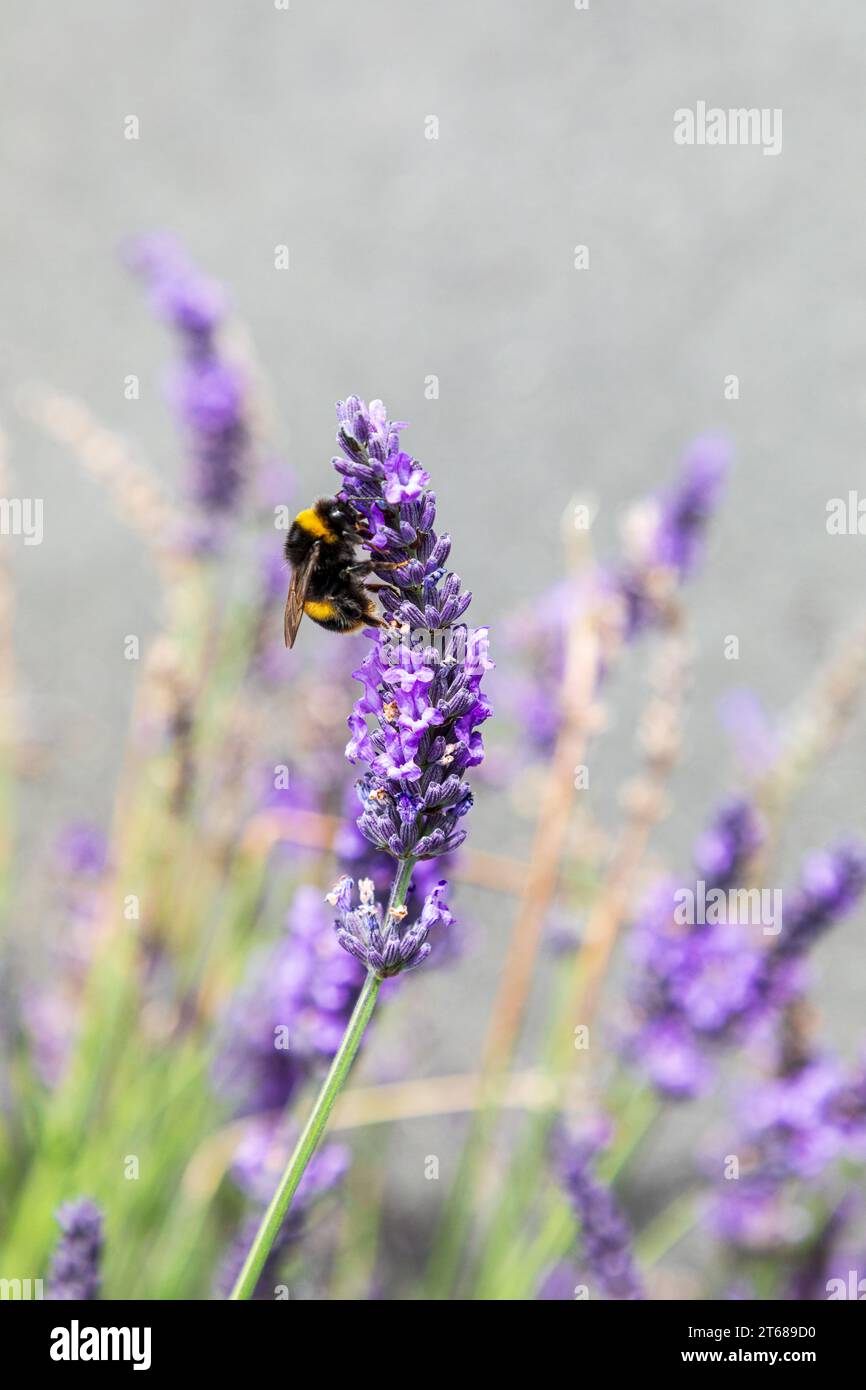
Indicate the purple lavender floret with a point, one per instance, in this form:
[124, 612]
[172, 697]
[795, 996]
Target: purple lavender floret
[414, 795]
[426, 703]
[606, 1237]
[361, 861]
[75, 1266]
[385, 947]
[207, 391]
[291, 1016]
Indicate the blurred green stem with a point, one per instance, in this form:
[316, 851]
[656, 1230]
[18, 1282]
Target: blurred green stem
[315, 1126]
[667, 1229]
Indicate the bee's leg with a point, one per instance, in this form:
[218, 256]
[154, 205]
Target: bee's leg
[367, 566]
[377, 588]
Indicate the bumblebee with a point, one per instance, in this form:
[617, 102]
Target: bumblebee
[327, 579]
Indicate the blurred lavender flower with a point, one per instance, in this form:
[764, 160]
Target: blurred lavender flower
[789, 1120]
[722, 853]
[285, 795]
[793, 1128]
[691, 980]
[711, 983]
[831, 1262]
[386, 948]
[261, 1157]
[207, 391]
[179, 292]
[606, 1238]
[289, 1019]
[538, 635]
[754, 737]
[832, 883]
[754, 1215]
[75, 1267]
[559, 1283]
[671, 1055]
[685, 509]
[51, 1005]
[82, 851]
[664, 536]
[829, 1259]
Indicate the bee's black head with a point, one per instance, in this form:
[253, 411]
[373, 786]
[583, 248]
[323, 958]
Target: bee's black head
[337, 516]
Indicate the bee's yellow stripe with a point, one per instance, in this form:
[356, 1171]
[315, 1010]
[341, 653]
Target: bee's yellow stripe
[311, 522]
[319, 611]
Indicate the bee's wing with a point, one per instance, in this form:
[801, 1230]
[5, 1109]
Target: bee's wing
[298, 585]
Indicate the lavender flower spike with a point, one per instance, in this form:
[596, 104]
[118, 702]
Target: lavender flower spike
[426, 706]
[75, 1266]
[605, 1233]
[384, 947]
[207, 390]
[425, 699]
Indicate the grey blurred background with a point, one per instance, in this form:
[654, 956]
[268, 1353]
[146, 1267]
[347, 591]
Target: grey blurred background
[454, 257]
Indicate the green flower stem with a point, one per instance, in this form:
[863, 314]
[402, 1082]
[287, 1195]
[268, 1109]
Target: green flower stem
[668, 1229]
[308, 1142]
[315, 1126]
